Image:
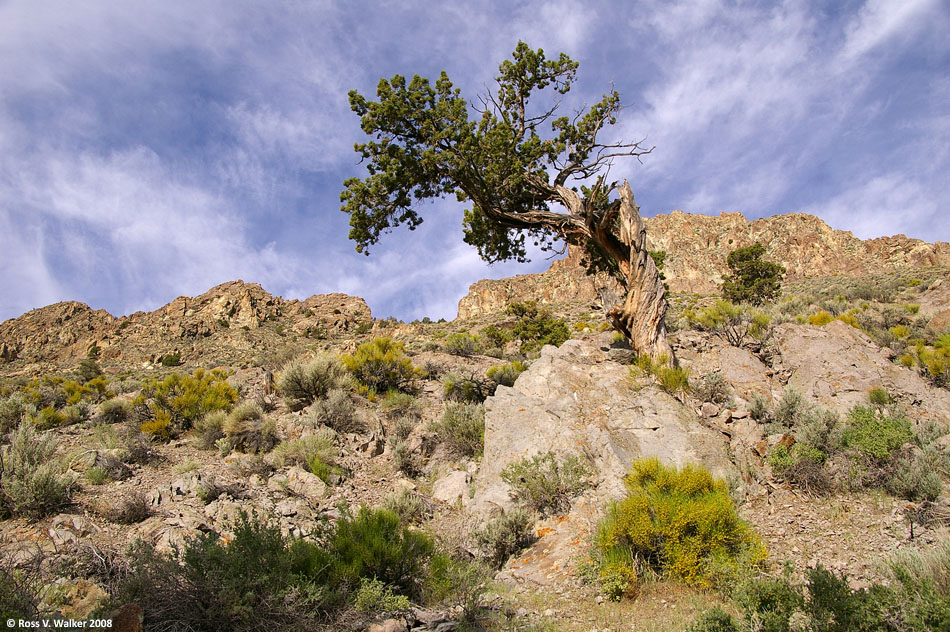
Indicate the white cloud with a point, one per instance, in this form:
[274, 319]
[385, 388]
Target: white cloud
[884, 205]
[879, 21]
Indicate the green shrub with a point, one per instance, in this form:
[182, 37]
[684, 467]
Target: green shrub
[171, 359]
[398, 405]
[375, 597]
[497, 336]
[382, 365]
[307, 449]
[825, 602]
[789, 409]
[210, 428]
[373, 543]
[178, 401]
[258, 580]
[712, 388]
[409, 506]
[874, 434]
[820, 318]
[738, 325]
[751, 280]
[13, 409]
[504, 536]
[337, 411]
[617, 575]
[89, 369]
[48, 418]
[915, 479]
[462, 344]
[114, 411]
[303, 382]
[96, 475]
[537, 327]
[403, 459]
[879, 397]
[462, 428]
[758, 408]
[470, 389]
[545, 484]
[506, 374]
[671, 379]
[680, 522]
[247, 430]
[32, 482]
[780, 459]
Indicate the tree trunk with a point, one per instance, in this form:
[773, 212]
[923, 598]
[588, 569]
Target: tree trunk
[640, 317]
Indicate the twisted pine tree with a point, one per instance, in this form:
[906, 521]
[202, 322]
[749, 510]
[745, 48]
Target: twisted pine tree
[514, 162]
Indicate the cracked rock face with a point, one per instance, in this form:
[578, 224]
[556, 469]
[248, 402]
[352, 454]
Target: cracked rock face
[573, 400]
[837, 365]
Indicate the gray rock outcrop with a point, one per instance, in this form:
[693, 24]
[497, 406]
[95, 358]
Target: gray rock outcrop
[573, 400]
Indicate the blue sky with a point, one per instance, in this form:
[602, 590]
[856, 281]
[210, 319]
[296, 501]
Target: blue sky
[154, 149]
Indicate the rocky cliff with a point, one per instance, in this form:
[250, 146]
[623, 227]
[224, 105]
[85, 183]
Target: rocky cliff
[232, 316]
[697, 247]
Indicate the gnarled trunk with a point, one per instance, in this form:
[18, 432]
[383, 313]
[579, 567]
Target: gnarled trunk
[640, 315]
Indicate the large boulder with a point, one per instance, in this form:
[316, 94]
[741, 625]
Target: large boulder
[837, 366]
[574, 400]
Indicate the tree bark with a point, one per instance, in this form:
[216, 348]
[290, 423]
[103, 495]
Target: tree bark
[640, 317]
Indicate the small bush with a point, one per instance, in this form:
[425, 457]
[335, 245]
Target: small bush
[751, 279]
[32, 482]
[403, 459]
[680, 522]
[409, 506]
[307, 449]
[879, 397]
[128, 510]
[13, 409]
[825, 602]
[874, 434]
[337, 411]
[820, 318]
[546, 484]
[303, 382]
[114, 411]
[758, 408]
[462, 344]
[506, 374]
[398, 405]
[497, 336]
[171, 359]
[382, 365]
[375, 597]
[247, 430]
[177, 402]
[504, 536]
[789, 409]
[618, 576]
[712, 388]
[739, 325]
[210, 428]
[470, 389]
[462, 428]
[537, 327]
[915, 479]
[373, 543]
[671, 379]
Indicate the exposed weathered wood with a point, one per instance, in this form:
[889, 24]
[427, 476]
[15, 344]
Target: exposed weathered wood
[640, 317]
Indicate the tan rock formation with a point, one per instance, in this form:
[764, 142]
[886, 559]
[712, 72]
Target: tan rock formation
[222, 318]
[697, 247]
